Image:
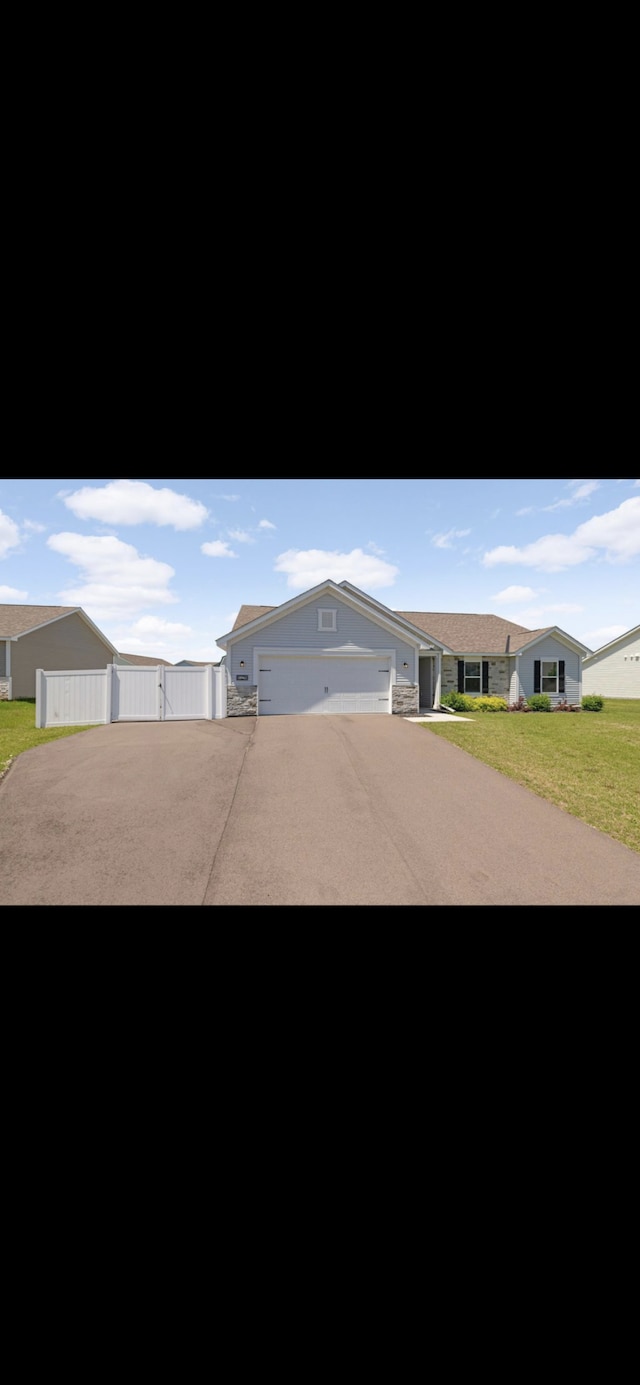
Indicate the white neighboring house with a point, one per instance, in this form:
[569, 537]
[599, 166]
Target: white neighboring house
[614, 669]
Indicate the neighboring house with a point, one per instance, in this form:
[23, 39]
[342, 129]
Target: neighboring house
[48, 637]
[336, 649]
[614, 669]
[142, 660]
[195, 663]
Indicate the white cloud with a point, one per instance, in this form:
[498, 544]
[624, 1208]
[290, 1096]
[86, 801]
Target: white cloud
[527, 510]
[12, 594]
[515, 594]
[307, 567]
[217, 549]
[583, 489]
[538, 617]
[446, 540]
[240, 535]
[603, 635]
[266, 524]
[9, 534]
[33, 526]
[614, 536]
[136, 502]
[154, 625]
[374, 548]
[152, 635]
[226, 497]
[115, 577]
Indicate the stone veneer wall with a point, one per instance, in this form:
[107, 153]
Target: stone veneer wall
[4, 689]
[405, 700]
[498, 676]
[242, 702]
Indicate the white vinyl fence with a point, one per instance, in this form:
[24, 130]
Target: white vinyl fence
[81, 697]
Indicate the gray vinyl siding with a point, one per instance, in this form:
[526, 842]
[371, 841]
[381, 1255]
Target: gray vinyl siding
[299, 630]
[615, 672]
[551, 648]
[65, 643]
[514, 682]
[3, 658]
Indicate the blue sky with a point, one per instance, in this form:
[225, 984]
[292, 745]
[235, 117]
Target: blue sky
[162, 566]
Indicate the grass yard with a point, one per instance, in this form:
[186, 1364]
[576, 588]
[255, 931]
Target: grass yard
[586, 762]
[18, 730]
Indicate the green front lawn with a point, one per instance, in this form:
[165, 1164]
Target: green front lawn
[18, 730]
[586, 762]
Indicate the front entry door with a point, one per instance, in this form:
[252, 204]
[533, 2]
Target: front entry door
[426, 682]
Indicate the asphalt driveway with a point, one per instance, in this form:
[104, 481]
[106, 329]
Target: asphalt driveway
[289, 810]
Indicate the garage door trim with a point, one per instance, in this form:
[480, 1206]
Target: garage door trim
[306, 655]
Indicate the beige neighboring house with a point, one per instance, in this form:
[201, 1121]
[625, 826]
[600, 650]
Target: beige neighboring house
[614, 669]
[48, 637]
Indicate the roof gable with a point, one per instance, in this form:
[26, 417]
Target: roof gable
[268, 615]
[554, 631]
[16, 621]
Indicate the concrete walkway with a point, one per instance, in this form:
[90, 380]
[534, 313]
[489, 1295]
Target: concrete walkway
[429, 715]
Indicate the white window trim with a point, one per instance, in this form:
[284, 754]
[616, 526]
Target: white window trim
[328, 611]
[550, 692]
[472, 675]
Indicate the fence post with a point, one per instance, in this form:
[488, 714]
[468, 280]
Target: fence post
[40, 698]
[108, 693]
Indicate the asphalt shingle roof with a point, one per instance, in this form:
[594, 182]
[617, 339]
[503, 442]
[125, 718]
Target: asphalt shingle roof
[17, 620]
[481, 634]
[472, 633]
[144, 659]
[249, 613]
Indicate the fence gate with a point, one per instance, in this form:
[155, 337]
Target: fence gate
[160, 694]
[76, 697]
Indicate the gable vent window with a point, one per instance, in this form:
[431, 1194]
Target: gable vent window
[327, 620]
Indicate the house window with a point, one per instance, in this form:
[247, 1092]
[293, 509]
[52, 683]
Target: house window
[548, 676]
[327, 620]
[473, 676]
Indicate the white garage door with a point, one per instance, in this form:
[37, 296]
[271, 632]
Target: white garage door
[302, 684]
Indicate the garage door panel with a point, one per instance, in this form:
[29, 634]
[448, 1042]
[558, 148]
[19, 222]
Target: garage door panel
[323, 685]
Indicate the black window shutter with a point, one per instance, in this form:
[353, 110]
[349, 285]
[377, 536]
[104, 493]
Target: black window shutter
[561, 678]
[461, 675]
[485, 676]
[536, 675]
